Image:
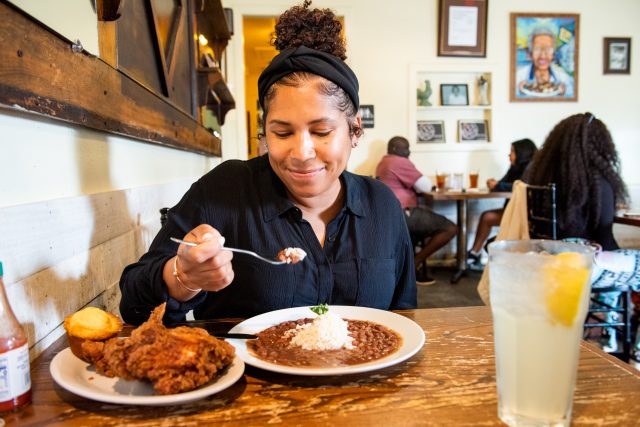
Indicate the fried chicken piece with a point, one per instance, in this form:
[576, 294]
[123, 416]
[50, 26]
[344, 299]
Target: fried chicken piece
[174, 360]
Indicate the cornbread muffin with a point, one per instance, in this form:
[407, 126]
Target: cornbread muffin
[87, 331]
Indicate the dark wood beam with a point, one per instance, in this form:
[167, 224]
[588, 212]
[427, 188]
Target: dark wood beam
[40, 73]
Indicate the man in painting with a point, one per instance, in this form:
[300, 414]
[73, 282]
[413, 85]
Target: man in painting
[543, 77]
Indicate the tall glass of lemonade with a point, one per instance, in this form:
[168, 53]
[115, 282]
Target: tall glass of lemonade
[539, 298]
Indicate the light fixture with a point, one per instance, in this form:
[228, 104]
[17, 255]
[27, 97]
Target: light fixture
[203, 40]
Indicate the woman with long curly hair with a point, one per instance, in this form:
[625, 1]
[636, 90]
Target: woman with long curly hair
[297, 195]
[579, 156]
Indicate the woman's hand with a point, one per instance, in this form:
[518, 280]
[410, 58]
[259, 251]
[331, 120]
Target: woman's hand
[205, 267]
[491, 183]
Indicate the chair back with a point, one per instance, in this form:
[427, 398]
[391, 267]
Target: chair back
[542, 211]
[164, 214]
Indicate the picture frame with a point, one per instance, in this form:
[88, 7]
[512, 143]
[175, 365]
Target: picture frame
[367, 115]
[617, 55]
[462, 28]
[473, 131]
[453, 94]
[544, 57]
[430, 132]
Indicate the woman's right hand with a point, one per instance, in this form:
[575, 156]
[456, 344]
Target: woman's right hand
[491, 183]
[205, 267]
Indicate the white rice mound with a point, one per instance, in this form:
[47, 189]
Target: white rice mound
[294, 255]
[327, 332]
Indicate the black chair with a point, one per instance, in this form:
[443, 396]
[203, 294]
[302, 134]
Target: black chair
[164, 214]
[542, 220]
[541, 211]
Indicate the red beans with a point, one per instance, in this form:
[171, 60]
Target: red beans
[371, 341]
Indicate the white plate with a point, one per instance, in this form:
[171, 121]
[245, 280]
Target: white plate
[536, 94]
[411, 333]
[80, 377]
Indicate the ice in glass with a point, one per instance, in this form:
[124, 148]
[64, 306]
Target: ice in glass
[539, 298]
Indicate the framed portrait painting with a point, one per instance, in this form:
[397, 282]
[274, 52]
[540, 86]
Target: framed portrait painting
[617, 55]
[544, 57]
[462, 28]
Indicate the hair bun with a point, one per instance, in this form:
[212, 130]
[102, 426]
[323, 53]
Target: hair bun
[317, 29]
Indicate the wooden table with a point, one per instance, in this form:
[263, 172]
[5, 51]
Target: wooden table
[462, 199]
[628, 220]
[451, 381]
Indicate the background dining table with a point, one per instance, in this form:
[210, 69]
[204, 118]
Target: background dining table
[450, 381]
[627, 219]
[462, 198]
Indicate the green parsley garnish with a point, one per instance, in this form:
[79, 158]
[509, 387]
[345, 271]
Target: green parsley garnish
[320, 309]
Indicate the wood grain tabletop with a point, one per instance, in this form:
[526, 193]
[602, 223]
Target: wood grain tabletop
[451, 381]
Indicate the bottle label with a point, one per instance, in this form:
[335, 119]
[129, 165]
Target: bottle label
[15, 378]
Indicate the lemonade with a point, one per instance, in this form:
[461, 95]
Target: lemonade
[539, 298]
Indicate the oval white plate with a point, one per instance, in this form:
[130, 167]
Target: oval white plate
[411, 333]
[80, 377]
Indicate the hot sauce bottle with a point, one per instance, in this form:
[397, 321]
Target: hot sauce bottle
[15, 378]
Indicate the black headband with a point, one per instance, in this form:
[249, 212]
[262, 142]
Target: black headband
[302, 58]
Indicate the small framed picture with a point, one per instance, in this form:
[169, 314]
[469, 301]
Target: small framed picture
[430, 132]
[454, 94]
[367, 115]
[617, 55]
[473, 131]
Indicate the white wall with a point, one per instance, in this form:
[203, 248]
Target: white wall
[385, 38]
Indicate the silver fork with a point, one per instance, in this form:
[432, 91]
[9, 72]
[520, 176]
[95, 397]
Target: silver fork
[226, 248]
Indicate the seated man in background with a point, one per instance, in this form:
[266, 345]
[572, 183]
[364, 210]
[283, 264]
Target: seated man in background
[406, 181]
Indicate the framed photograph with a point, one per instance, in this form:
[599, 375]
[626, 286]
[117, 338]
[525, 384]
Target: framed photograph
[544, 57]
[473, 131]
[454, 94]
[462, 28]
[430, 132]
[367, 115]
[617, 55]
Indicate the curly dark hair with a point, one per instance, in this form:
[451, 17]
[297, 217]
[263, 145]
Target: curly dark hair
[317, 29]
[576, 154]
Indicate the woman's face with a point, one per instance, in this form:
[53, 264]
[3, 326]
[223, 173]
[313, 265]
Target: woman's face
[512, 155]
[308, 141]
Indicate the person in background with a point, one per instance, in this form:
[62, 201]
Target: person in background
[406, 181]
[520, 156]
[298, 195]
[579, 156]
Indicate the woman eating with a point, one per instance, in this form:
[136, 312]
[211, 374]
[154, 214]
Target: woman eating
[298, 194]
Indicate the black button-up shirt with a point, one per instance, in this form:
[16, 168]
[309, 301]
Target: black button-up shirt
[366, 260]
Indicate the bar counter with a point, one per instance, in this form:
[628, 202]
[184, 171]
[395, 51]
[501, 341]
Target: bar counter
[450, 381]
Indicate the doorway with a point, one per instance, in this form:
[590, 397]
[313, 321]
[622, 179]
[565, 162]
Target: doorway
[258, 53]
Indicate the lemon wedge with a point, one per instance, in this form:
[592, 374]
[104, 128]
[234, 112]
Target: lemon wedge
[564, 281]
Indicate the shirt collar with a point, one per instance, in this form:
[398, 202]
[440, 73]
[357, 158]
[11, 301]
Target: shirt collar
[274, 198]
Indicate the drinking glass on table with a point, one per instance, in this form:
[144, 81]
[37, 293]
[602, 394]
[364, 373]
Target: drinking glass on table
[473, 180]
[539, 299]
[440, 180]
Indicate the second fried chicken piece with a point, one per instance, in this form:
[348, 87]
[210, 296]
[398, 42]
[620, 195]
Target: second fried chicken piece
[174, 360]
